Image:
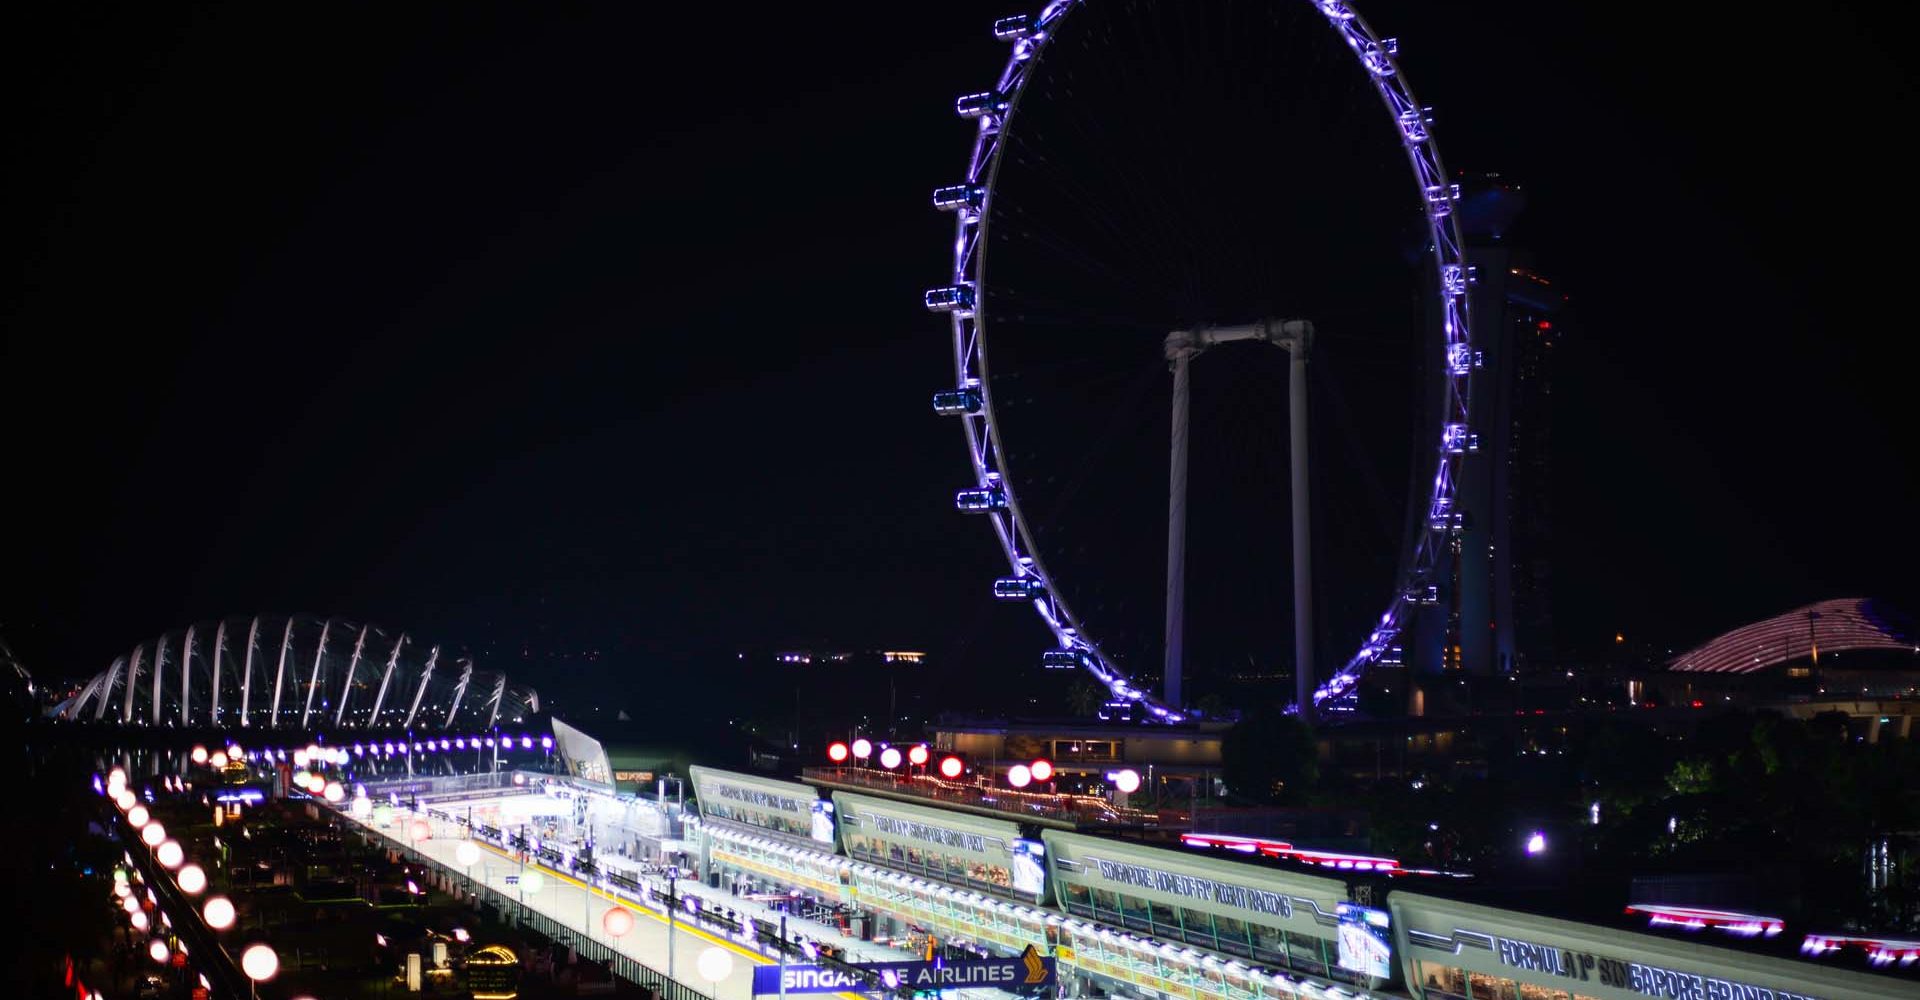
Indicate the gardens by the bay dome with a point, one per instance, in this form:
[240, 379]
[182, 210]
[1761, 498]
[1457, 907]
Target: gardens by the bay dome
[298, 672]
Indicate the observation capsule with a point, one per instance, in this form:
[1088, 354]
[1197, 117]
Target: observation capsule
[1454, 439]
[1462, 358]
[952, 298]
[957, 402]
[979, 105]
[1018, 588]
[959, 197]
[1413, 125]
[980, 500]
[1009, 29]
[1060, 659]
[1441, 516]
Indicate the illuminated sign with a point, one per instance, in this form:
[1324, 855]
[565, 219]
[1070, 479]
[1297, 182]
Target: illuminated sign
[1194, 887]
[1029, 970]
[1646, 980]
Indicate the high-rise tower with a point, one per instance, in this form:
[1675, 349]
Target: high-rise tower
[1494, 609]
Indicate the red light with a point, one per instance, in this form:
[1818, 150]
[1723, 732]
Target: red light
[1042, 770]
[950, 767]
[1699, 704]
[918, 755]
[1544, 325]
[837, 752]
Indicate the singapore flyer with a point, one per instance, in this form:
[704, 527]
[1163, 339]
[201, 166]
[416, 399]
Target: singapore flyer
[1175, 219]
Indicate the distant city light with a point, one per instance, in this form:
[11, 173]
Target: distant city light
[1042, 770]
[951, 767]
[862, 749]
[837, 752]
[890, 758]
[918, 755]
[1126, 780]
[1019, 775]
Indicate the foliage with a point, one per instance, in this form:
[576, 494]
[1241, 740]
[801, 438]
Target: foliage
[1270, 758]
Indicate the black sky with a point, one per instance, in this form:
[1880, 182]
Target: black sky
[597, 326]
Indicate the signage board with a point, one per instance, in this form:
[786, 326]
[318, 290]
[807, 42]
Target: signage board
[1029, 866]
[1365, 941]
[1028, 971]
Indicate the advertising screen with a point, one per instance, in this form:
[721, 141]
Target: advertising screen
[1029, 866]
[1364, 944]
[822, 821]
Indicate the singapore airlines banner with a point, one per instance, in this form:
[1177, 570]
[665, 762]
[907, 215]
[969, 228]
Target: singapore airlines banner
[1028, 971]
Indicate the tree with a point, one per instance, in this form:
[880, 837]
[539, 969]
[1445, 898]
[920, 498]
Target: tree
[1270, 758]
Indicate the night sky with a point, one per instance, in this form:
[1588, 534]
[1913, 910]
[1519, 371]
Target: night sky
[562, 328]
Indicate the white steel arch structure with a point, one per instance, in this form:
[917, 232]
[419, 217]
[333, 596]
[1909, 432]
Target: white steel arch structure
[970, 398]
[335, 690]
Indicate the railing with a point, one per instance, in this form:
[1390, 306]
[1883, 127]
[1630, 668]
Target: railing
[1080, 810]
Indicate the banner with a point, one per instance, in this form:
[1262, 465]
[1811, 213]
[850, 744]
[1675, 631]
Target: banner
[1028, 970]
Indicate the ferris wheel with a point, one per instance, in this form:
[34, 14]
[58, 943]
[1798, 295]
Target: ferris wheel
[970, 301]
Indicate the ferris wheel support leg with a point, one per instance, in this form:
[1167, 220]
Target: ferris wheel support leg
[1303, 670]
[1177, 530]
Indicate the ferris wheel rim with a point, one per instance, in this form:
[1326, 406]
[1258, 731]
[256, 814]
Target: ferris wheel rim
[1378, 60]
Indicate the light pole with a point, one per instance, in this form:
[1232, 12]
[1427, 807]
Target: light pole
[672, 873]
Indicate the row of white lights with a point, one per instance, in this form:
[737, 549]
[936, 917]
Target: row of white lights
[259, 961]
[1019, 775]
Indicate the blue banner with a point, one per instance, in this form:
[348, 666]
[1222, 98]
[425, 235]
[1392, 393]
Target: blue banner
[1028, 970]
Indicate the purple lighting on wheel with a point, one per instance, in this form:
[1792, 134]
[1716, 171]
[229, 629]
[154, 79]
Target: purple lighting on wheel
[995, 110]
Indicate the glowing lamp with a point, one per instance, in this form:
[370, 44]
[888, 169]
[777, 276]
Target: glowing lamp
[137, 816]
[950, 767]
[532, 881]
[259, 962]
[862, 748]
[218, 913]
[121, 890]
[1537, 844]
[117, 778]
[1126, 780]
[130, 904]
[198, 754]
[837, 752]
[139, 920]
[152, 834]
[219, 760]
[192, 879]
[890, 758]
[158, 951]
[301, 758]
[618, 921]
[918, 755]
[421, 829]
[170, 853]
[467, 853]
[715, 964]
[1019, 775]
[333, 791]
[1042, 770]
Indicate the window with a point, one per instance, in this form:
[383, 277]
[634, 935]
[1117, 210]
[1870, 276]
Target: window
[1232, 936]
[1487, 987]
[1107, 902]
[1529, 991]
[1199, 927]
[1164, 919]
[1442, 982]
